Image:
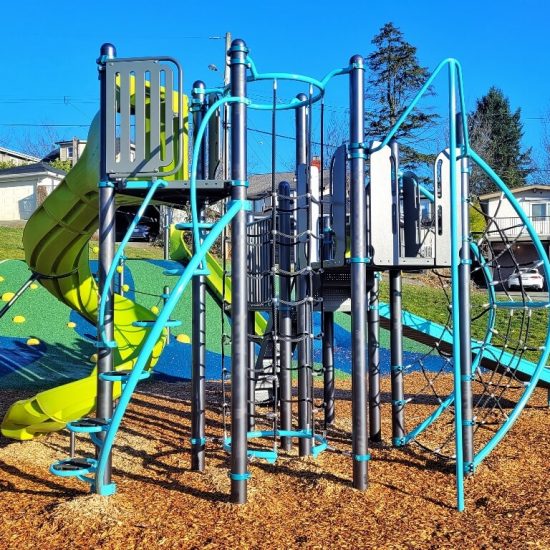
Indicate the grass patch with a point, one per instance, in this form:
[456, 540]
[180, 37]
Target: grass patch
[11, 247]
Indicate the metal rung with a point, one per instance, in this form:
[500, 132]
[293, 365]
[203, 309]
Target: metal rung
[521, 305]
[121, 375]
[89, 425]
[74, 467]
[189, 225]
[170, 323]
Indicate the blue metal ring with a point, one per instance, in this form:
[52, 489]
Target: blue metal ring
[239, 477]
[361, 458]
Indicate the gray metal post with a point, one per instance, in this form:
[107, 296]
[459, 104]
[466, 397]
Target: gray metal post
[239, 305]
[464, 274]
[328, 336]
[328, 366]
[285, 324]
[396, 358]
[198, 333]
[358, 230]
[373, 321]
[107, 209]
[305, 378]
[396, 330]
[251, 373]
[166, 236]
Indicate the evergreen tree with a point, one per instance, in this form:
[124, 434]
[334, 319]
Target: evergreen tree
[394, 78]
[495, 134]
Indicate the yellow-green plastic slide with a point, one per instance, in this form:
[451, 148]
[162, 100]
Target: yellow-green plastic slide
[180, 252]
[56, 245]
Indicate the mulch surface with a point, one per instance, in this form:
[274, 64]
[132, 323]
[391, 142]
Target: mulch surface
[294, 503]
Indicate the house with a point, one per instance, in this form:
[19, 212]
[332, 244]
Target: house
[70, 150]
[509, 230]
[23, 188]
[15, 157]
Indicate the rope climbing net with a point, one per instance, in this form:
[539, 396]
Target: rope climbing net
[509, 324]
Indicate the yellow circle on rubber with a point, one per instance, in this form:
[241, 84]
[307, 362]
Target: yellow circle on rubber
[34, 286]
[93, 358]
[7, 296]
[33, 342]
[119, 269]
[19, 319]
[155, 310]
[71, 324]
[95, 249]
[126, 288]
[183, 338]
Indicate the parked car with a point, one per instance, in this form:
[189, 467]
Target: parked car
[143, 232]
[526, 277]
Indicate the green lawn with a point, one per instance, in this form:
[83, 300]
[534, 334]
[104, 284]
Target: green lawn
[12, 249]
[515, 329]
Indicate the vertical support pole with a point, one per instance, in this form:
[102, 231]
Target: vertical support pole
[396, 359]
[239, 305]
[373, 321]
[285, 312]
[198, 334]
[107, 209]
[251, 373]
[358, 230]
[464, 282]
[166, 236]
[72, 444]
[328, 366]
[302, 310]
[396, 324]
[456, 213]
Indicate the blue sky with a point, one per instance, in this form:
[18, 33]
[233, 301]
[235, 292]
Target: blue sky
[49, 55]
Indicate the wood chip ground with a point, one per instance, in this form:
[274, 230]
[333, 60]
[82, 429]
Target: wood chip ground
[305, 503]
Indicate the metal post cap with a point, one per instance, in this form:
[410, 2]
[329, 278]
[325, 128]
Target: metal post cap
[107, 49]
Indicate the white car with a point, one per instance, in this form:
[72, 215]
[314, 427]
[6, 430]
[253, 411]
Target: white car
[526, 277]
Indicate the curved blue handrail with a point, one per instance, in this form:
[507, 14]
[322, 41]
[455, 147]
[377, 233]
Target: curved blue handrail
[195, 220]
[118, 255]
[154, 335]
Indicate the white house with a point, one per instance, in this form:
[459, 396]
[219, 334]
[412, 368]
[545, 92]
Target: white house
[23, 188]
[511, 232]
[15, 157]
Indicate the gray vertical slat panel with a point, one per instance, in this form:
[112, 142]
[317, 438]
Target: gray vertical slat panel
[383, 239]
[168, 116]
[124, 138]
[154, 154]
[339, 205]
[139, 110]
[110, 119]
[442, 252]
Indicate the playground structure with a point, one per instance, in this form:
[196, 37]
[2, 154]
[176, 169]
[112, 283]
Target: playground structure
[316, 247]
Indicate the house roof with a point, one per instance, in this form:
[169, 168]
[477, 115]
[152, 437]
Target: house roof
[260, 184]
[18, 154]
[36, 168]
[516, 191]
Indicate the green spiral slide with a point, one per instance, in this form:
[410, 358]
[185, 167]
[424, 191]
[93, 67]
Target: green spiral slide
[56, 246]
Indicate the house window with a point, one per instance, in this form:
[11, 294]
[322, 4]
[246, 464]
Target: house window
[70, 152]
[538, 211]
